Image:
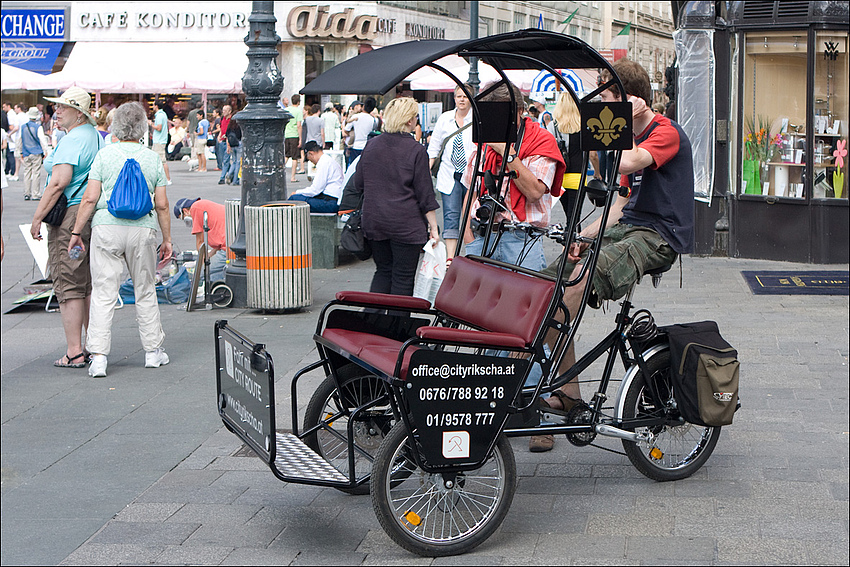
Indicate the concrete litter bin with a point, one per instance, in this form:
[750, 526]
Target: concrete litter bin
[279, 255]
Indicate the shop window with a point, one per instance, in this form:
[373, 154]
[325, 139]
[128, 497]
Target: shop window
[831, 113]
[774, 115]
[503, 26]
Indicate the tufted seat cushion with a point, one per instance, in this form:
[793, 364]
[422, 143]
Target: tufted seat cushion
[380, 352]
[494, 299]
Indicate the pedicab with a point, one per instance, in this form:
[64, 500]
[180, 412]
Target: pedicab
[418, 399]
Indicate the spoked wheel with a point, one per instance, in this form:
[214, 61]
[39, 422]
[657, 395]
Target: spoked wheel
[331, 442]
[675, 452]
[434, 515]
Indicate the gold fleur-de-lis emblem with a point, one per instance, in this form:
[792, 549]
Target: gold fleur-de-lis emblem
[606, 128]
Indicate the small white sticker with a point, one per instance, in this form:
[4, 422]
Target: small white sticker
[456, 444]
[228, 358]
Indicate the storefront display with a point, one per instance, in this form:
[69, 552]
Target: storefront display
[782, 107]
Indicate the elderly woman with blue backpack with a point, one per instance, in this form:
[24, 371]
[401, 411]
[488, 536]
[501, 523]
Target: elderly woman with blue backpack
[126, 193]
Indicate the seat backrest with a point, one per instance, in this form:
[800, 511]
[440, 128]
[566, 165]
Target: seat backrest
[494, 299]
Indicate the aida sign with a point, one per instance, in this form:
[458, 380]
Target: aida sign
[318, 21]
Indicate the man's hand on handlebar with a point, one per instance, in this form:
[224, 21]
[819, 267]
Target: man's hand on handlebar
[576, 250]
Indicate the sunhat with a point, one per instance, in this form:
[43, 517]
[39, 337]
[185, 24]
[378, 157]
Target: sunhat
[76, 98]
[33, 113]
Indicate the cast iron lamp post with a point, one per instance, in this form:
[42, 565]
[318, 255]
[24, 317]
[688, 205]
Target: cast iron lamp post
[262, 123]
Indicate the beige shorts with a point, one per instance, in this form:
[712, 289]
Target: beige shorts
[159, 149]
[71, 278]
[200, 146]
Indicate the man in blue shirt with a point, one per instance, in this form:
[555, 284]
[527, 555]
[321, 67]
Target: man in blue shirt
[159, 124]
[201, 141]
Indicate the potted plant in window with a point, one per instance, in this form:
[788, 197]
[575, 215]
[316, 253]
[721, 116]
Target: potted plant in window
[760, 148]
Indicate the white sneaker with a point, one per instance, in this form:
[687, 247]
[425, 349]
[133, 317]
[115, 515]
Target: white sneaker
[97, 368]
[155, 358]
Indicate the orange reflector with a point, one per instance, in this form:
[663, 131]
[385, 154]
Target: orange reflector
[330, 423]
[412, 517]
[656, 453]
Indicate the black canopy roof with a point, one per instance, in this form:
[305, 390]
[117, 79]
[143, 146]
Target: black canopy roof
[380, 70]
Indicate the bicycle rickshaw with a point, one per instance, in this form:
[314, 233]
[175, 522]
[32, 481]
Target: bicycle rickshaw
[418, 400]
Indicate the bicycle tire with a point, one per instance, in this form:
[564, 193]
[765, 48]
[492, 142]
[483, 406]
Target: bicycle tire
[677, 451]
[422, 516]
[360, 387]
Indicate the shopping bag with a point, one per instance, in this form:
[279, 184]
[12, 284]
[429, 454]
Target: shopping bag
[431, 272]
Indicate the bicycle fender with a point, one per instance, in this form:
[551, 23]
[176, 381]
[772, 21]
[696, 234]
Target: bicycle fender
[628, 378]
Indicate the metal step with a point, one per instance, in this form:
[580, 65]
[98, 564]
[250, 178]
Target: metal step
[295, 460]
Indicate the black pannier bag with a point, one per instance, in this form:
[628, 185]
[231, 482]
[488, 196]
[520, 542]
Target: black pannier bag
[704, 370]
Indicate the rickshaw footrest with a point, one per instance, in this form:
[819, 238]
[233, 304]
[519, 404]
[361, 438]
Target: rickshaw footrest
[295, 460]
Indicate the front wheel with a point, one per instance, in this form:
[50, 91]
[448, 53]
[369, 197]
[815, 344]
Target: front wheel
[435, 515]
[674, 451]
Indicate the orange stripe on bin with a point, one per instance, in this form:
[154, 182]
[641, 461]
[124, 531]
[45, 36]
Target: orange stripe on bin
[279, 262]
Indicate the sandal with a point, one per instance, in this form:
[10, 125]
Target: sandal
[70, 361]
[567, 402]
[541, 443]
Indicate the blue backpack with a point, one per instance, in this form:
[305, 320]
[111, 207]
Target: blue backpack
[130, 198]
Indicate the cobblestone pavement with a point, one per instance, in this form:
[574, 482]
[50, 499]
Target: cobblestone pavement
[136, 468]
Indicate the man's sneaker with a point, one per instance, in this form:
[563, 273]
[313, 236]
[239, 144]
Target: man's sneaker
[221, 181]
[155, 358]
[97, 368]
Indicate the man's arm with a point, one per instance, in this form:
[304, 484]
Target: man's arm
[527, 183]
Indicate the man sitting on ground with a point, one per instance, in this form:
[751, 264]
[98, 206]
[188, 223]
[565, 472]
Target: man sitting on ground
[323, 195]
[192, 212]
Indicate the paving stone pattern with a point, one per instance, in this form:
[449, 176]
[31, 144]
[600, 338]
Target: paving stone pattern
[136, 468]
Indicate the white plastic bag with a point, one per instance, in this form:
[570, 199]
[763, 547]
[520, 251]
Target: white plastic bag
[431, 272]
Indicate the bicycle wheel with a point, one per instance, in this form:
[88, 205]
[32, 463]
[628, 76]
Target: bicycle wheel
[424, 515]
[331, 442]
[676, 452]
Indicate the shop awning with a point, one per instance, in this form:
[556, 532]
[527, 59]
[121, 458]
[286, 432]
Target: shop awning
[15, 78]
[151, 67]
[381, 69]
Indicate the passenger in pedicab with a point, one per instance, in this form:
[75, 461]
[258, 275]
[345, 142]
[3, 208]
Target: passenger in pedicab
[538, 168]
[646, 230]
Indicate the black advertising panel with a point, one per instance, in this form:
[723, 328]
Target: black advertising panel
[245, 389]
[458, 403]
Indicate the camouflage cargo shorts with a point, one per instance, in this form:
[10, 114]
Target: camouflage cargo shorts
[627, 253]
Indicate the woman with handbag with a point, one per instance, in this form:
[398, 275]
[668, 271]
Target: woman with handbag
[119, 239]
[449, 149]
[398, 214]
[68, 170]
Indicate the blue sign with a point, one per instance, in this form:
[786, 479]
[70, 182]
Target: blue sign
[31, 25]
[32, 56]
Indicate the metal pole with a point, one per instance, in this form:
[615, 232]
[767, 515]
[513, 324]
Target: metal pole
[473, 34]
[262, 123]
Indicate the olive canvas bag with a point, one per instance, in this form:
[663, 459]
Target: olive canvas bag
[704, 371]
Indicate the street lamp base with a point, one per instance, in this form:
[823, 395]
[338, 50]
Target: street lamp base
[236, 277]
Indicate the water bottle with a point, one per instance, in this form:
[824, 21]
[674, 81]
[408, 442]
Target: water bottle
[75, 252]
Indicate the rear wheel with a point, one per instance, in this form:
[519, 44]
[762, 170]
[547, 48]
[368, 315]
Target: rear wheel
[434, 515]
[675, 451]
[357, 387]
